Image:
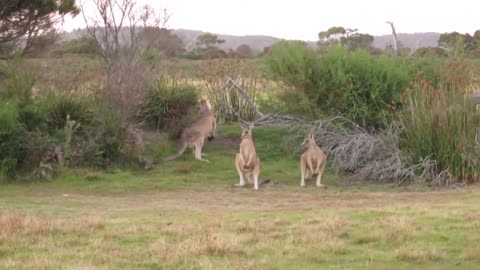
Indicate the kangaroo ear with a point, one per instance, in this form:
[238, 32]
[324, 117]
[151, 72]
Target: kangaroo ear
[251, 125]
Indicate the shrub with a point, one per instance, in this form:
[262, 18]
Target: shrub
[362, 87]
[18, 89]
[295, 64]
[168, 106]
[441, 125]
[11, 132]
[82, 45]
[57, 105]
[106, 140]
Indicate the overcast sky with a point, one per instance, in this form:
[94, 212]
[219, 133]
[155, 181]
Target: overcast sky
[303, 19]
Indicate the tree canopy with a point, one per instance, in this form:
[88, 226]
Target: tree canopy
[29, 19]
[206, 45]
[349, 38]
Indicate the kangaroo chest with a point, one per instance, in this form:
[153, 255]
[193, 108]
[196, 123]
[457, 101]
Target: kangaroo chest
[247, 148]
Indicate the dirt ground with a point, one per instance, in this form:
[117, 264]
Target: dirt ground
[228, 200]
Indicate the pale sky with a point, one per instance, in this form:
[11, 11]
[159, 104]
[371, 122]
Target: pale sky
[303, 19]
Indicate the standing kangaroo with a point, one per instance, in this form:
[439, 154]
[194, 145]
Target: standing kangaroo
[312, 161]
[194, 134]
[247, 162]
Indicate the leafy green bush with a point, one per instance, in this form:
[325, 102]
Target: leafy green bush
[34, 128]
[57, 105]
[295, 64]
[358, 85]
[168, 105]
[18, 89]
[82, 45]
[11, 132]
[441, 125]
[105, 140]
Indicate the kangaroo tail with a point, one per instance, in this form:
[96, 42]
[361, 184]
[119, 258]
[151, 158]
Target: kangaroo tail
[266, 181]
[180, 151]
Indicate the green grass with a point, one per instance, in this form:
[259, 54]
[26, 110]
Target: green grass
[186, 214]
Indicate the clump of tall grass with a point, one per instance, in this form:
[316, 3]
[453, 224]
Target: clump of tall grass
[168, 105]
[58, 105]
[228, 104]
[441, 124]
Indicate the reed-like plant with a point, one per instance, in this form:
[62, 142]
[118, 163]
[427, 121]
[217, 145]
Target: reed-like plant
[441, 124]
[228, 103]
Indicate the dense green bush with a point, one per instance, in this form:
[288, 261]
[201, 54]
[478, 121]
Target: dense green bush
[295, 64]
[360, 86]
[82, 45]
[18, 89]
[168, 106]
[11, 132]
[31, 127]
[105, 140]
[57, 105]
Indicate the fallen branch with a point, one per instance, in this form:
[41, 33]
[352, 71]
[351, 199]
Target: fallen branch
[269, 119]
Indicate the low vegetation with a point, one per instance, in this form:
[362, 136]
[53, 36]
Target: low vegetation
[168, 106]
[84, 122]
[188, 215]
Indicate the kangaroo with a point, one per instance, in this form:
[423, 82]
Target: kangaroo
[247, 162]
[195, 133]
[312, 161]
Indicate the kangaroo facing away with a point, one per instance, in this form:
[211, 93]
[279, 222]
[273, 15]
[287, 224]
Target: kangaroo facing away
[312, 161]
[247, 162]
[194, 134]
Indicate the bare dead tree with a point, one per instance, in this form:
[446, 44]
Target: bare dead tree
[394, 36]
[116, 26]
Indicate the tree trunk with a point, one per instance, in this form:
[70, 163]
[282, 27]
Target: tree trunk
[395, 39]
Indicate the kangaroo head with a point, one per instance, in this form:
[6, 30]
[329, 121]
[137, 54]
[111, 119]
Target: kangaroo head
[203, 107]
[247, 130]
[310, 138]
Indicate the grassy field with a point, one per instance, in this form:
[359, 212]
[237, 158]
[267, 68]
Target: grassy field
[187, 215]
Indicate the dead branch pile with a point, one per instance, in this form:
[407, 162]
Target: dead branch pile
[353, 151]
[261, 119]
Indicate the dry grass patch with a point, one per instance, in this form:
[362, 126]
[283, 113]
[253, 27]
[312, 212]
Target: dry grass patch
[366, 238]
[212, 243]
[316, 238]
[184, 168]
[419, 255]
[397, 228]
[12, 224]
[174, 229]
[471, 253]
[473, 219]
[258, 226]
[207, 239]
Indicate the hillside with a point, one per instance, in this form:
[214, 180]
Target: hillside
[259, 42]
[412, 41]
[256, 42]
